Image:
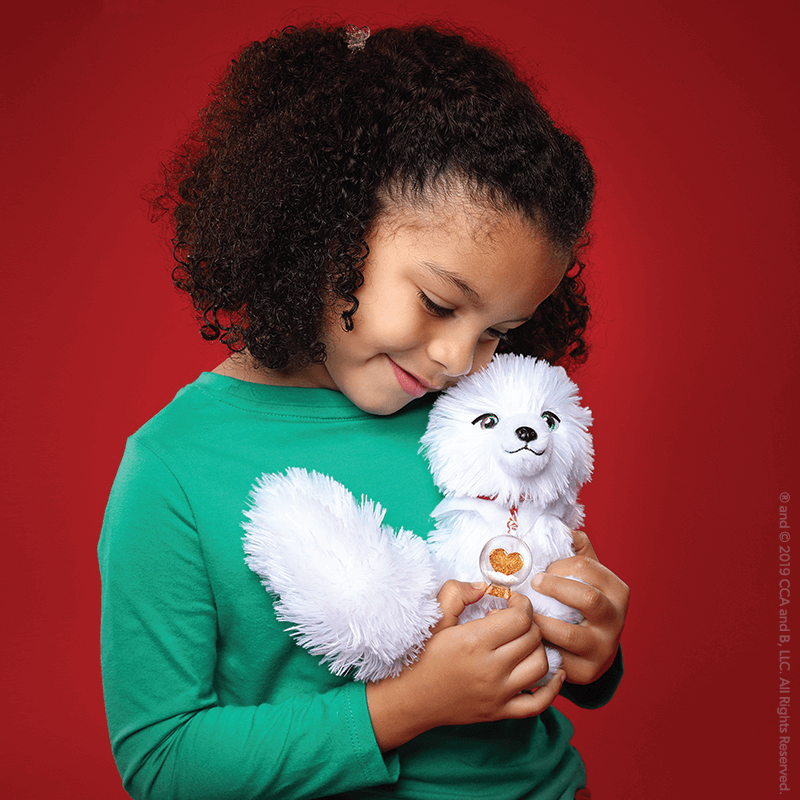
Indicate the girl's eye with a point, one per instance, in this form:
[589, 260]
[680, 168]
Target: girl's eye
[435, 308]
[486, 421]
[551, 419]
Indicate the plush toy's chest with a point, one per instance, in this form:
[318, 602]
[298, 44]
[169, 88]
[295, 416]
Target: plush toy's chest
[464, 526]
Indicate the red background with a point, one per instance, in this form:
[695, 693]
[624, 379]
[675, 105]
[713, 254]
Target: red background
[689, 112]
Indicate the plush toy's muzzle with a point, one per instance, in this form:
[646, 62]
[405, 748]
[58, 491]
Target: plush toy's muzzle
[526, 445]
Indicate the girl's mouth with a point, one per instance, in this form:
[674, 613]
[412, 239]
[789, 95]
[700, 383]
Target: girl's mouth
[408, 382]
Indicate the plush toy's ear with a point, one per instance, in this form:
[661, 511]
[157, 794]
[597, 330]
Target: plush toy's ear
[354, 592]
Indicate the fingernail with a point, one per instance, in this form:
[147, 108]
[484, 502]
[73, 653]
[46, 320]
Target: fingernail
[478, 584]
[537, 579]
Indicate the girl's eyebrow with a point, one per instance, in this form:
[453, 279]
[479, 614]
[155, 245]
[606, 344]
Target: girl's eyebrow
[450, 277]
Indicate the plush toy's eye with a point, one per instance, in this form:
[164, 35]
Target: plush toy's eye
[486, 421]
[551, 419]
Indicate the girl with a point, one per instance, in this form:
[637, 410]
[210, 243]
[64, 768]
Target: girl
[362, 220]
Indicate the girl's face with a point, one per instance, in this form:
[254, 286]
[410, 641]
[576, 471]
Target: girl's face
[441, 286]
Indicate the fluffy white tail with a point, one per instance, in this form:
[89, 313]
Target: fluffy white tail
[355, 592]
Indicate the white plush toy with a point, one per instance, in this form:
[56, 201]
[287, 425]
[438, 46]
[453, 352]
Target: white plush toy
[508, 446]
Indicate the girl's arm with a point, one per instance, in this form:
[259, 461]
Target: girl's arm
[173, 735]
[467, 673]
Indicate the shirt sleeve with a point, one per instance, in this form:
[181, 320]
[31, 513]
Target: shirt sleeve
[597, 694]
[171, 738]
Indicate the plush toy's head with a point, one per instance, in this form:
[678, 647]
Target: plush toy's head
[515, 430]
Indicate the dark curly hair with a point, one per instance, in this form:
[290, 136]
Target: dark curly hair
[303, 139]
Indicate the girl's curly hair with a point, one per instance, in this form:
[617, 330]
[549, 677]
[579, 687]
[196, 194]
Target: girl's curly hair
[274, 189]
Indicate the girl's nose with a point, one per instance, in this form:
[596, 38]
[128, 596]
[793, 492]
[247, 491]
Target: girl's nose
[454, 354]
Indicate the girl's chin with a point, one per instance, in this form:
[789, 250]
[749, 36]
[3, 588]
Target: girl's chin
[378, 403]
[382, 408]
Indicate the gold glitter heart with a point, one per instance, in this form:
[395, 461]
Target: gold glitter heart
[506, 563]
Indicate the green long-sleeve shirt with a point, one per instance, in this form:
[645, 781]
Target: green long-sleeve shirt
[207, 696]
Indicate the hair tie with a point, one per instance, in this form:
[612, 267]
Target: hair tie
[356, 37]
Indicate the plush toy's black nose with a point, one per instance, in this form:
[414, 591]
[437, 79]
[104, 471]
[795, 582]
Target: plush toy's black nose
[525, 434]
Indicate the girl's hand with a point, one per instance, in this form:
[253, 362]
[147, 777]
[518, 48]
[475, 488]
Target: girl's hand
[589, 647]
[467, 673]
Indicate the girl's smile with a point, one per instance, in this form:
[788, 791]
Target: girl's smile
[442, 285]
[409, 383]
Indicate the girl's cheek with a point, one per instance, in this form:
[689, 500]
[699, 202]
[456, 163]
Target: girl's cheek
[418, 327]
[399, 333]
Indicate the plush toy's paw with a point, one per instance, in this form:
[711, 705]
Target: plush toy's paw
[355, 592]
[553, 539]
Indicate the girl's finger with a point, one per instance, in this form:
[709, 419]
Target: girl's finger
[519, 651]
[530, 669]
[587, 598]
[531, 705]
[586, 568]
[571, 638]
[507, 624]
[582, 545]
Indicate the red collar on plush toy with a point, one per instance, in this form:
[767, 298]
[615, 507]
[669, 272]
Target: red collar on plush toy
[511, 525]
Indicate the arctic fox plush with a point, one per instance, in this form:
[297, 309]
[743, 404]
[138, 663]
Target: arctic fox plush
[509, 448]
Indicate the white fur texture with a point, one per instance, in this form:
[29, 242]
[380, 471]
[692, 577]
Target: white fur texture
[362, 596]
[354, 592]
